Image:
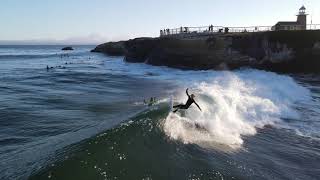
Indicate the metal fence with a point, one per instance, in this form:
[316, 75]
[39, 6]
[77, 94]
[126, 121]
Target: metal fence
[206, 30]
[313, 26]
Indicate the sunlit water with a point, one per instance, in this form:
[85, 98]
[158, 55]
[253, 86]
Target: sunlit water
[84, 118]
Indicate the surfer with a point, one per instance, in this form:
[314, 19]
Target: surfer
[188, 103]
[151, 102]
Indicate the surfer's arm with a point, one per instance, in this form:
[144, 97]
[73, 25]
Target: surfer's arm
[187, 92]
[197, 106]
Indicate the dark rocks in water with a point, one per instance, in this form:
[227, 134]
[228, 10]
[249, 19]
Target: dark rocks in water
[68, 48]
[111, 48]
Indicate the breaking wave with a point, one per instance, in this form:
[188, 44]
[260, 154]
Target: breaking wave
[234, 104]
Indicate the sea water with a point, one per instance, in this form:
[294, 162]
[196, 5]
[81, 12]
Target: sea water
[84, 118]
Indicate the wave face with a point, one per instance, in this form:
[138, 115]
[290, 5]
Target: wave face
[234, 104]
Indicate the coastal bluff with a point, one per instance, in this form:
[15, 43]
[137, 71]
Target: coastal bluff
[111, 48]
[279, 51]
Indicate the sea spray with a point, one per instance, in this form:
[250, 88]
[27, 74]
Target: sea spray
[233, 105]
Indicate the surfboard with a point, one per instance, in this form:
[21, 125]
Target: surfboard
[171, 103]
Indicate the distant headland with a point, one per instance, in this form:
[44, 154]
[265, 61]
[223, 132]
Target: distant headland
[288, 46]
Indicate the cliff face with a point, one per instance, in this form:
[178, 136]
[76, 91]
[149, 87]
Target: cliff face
[191, 54]
[139, 49]
[203, 53]
[111, 48]
[281, 51]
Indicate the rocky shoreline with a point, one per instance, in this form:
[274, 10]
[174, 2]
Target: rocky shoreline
[279, 51]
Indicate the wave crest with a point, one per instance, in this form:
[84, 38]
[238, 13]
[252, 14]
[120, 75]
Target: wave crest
[234, 104]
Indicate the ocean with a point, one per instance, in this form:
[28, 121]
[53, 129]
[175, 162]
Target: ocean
[85, 118]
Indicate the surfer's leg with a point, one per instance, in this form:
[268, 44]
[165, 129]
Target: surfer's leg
[181, 106]
[178, 106]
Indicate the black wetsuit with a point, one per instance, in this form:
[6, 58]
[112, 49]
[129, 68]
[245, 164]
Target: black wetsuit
[188, 103]
[185, 106]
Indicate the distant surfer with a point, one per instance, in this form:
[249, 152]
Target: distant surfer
[189, 102]
[151, 102]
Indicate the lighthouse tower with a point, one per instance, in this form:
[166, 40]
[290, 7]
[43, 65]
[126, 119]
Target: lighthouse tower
[302, 18]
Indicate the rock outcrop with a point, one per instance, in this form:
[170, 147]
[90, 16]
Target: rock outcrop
[280, 51]
[139, 49]
[200, 54]
[111, 48]
[68, 48]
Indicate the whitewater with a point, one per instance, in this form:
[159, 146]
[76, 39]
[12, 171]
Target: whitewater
[234, 103]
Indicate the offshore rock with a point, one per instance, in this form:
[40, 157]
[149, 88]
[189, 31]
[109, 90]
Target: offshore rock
[68, 48]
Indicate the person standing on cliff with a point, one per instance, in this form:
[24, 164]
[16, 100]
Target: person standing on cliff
[189, 102]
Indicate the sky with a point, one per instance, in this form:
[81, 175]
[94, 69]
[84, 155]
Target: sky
[97, 21]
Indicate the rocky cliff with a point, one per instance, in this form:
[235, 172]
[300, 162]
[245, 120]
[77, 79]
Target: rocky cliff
[281, 51]
[111, 48]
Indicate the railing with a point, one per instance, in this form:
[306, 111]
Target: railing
[206, 30]
[212, 29]
[250, 29]
[313, 26]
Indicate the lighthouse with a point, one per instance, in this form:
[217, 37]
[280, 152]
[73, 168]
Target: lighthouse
[302, 18]
[300, 24]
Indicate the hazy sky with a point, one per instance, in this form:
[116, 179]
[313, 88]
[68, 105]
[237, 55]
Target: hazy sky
[95, 21]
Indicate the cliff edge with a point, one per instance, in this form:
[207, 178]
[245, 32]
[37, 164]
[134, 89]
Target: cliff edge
[280, 51]
[111, 48]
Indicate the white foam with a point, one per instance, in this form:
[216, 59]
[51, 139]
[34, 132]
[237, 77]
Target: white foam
[234, 104]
